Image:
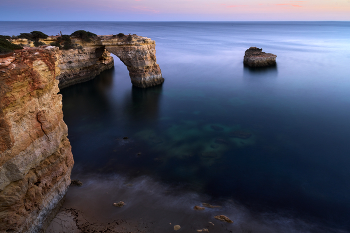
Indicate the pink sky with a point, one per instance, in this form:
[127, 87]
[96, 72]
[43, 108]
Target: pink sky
[163, 10]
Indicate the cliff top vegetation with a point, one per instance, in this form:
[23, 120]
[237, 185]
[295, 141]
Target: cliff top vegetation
[6, 46]
[84, 35]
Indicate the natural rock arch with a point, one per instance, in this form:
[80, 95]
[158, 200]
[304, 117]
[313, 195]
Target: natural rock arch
[140, 59]
[139, 56]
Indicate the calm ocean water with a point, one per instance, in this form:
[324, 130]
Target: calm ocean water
[295, 161]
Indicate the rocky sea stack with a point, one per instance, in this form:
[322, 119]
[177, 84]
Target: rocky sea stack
[254, 57]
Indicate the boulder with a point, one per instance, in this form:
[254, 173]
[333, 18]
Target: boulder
[254, 57]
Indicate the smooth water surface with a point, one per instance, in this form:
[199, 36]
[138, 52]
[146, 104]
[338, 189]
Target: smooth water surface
[274, 140]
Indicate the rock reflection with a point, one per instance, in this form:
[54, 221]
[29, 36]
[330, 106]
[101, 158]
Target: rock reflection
[89, 98]
[143, 103]
[260, 72]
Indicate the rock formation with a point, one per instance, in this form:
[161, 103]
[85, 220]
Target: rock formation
[139, 55]
[88, 59]
[254, 57]
[35, 154]
[82, 64]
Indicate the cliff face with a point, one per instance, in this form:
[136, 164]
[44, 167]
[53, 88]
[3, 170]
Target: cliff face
[35, 154]
[80, 65]
[88, 59]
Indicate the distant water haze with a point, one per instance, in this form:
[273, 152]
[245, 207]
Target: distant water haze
[269, 145]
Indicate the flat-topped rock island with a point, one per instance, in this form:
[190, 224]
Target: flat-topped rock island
[255, 57]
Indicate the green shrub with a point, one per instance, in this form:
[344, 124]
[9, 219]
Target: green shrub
[56, 44]
[65, 38]
[36, 35]
[5, 37]
[38, 43]
[120, 35]
[84, 35]
[28, 36]
[6, 46]
[63, 42]
[67, 45]
[129, 38]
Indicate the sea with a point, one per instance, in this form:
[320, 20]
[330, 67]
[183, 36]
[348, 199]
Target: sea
[270, 146]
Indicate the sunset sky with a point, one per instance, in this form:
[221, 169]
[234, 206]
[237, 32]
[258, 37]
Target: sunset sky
[173, 10]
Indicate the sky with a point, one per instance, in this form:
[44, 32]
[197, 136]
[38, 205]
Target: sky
[173, 10]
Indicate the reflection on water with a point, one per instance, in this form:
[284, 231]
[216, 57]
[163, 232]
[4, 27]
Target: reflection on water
[260, 72]
[143, 103]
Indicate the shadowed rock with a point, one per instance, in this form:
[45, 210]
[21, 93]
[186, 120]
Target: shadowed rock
[223, 218]
[254, 57]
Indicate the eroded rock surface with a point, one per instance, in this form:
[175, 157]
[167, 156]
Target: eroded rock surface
[88, 59]
[35, 154]
[254, 57]
[82, 64]
[139, 56]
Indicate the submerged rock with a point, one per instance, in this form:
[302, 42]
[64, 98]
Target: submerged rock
[221, 141]
[254, 57]
[203, 230]
[223, 218]
[216, 128]
[76, 183]
[210, 206]
[177, 227]
[198, 207]
[241, 134]
[119, 204]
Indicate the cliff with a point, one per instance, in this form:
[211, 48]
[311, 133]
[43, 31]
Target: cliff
[88, 59]
[83, 64]
[254, 57]
[35, 154]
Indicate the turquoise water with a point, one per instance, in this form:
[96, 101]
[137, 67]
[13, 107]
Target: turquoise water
[274, 140]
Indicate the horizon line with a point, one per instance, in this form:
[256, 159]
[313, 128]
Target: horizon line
[175, 21]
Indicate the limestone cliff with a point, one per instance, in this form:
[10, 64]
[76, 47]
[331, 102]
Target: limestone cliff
[82, 64]
[139, 55]
[88, 59]
[35, 154]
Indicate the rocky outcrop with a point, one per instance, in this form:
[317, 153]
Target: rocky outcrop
[35, 154]
[139, 55]
[254, 57]
[88, 59]
[82, 64]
